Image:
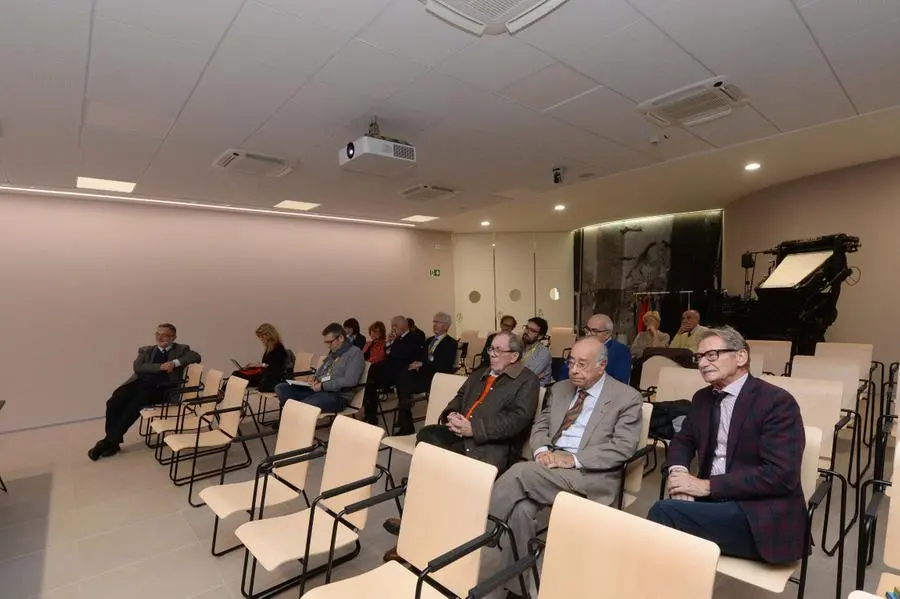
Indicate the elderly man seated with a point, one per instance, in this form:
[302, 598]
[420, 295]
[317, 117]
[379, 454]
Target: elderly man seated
[690, 332]
[592, 422]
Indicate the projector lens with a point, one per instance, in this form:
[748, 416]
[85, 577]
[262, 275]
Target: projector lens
[351, 150]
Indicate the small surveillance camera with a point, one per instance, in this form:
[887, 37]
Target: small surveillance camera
[557, 175]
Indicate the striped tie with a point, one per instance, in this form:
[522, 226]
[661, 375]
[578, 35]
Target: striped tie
[571, 416]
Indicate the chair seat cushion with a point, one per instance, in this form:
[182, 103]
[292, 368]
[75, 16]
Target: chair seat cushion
[207, 439]
[277, 541]
[389, 581]
[888, 582]
[164, 425]
[404, 443]
[225, 500]
[765, 576]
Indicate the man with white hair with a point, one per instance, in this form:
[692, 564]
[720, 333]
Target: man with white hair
[618, 363]
[440, 354]
[690, 332]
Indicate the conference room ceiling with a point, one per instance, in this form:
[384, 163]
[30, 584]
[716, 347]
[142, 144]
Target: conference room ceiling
[153, 92]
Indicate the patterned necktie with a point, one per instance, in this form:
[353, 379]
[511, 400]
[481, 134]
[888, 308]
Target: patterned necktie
[715, 416]
[571, 416]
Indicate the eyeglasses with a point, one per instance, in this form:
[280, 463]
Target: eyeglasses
[712, 355]
[330, 341]
[591, 331]
[579, 365]
[496, 351]
[533, 330]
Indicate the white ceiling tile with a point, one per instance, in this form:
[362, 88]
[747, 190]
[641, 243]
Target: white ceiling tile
[571, 28]
[405, 28]
[40, 85]
[830, 20]
[139, 70]
[198, 22]
[345, 16]
[493, 62]
[640, 62]
[120, 119]
[113, 155]
[267, 36]
[866, 64]
[50, 28]
[744, 124]
[395, 121]
[548, 87]
[366, 70]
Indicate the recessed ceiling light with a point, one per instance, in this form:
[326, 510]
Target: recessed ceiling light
[419, 218]
[559, 207]
[295, 205]
[104, 184]
[485, 223]
[752, 166]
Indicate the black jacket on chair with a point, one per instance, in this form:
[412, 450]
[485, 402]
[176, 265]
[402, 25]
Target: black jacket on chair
[404, 351]
[442, 358]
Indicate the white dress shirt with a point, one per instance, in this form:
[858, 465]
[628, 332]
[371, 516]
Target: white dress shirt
[177, 363]
[570, 439]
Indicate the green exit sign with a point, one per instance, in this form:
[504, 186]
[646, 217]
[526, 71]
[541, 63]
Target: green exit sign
[434, 272]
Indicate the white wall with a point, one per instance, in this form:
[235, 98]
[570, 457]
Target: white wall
[85, 283]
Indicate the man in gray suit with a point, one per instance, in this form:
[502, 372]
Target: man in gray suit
[592, 422]
[157, 369]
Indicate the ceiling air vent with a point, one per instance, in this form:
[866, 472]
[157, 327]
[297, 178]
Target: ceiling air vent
[491, 17]
[251, 163]
[426, 193]
[694, 104]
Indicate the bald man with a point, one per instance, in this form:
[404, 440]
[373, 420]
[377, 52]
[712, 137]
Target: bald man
[688, 336]
[618, 363]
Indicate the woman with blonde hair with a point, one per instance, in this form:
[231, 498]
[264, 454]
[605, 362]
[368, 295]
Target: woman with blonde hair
[270, 371]
[651, 337]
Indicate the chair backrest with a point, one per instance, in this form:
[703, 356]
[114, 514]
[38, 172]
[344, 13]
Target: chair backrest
[356, 402]
[809, 468]
[777, 353]
[819, 401]
[303, 361]
[561, 340]
[634, 474]
[235, 391]
[446, 505]
[462, 351]
[527, 452]
[892, 529]
[212, 382]
[193, 376]
[290, 360]
[860, 353]
[580, 556]
[678, 383]
[443, 389]
[830, 369]
[650, 370]
[296, 429]
[862, 595]
[351, 455]
[758, 365]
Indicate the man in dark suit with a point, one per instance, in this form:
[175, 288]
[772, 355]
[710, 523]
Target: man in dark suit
[748, 438]
[403, 350]
[157, 369]
[440, 352]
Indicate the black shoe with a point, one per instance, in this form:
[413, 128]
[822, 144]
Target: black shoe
[97, 451]
[392, 525]
[110, 450]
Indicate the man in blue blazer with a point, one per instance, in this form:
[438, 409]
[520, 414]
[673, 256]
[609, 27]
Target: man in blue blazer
[618, 363]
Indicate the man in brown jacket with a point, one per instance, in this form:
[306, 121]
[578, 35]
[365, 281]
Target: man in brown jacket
[490, 416]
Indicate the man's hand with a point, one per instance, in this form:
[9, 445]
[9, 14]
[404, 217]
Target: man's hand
[562, 459]
[459, 425]
[545, 458]
[167, 367]
[316, 386]
[683, 483]
[415, 366]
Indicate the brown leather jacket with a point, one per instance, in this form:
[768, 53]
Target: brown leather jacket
[502, 422]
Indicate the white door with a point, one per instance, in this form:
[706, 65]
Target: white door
[514, 274]
[554, 278]
[473, 282]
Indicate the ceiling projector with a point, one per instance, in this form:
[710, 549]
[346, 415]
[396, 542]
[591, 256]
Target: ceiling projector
[377, 156]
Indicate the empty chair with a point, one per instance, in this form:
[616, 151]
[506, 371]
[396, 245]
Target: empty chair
[347, 478]
[190, 390]
[678, 383]
[561, 339]
[634, 469]
[859, 353]
[446, 506]
[830, 369]
[867, 525]
[777, 354]
[597, 551]
[186, 415]
[758, 365]
[650, 370]
[272, 486]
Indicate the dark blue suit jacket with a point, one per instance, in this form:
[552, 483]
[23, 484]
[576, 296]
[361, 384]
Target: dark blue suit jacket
[618, 363]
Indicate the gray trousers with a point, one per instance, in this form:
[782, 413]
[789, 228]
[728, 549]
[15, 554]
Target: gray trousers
[518, 498]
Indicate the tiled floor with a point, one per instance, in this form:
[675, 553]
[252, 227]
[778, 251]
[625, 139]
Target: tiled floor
[74, 529]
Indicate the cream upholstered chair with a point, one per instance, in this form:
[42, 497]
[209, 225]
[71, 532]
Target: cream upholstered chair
[776, 354]
[272, 486]
[191, 388]
[325, 528]
[634, 469]
[758, 365]
[678, 383]
[302, 368]
[527, 452]
[187, 415]
[770, 577]
[447, 501]
[561, 339]
[650, 371]
[865, 547]
[863, 595]
[224, 429]
[859, 353]
[443, 389]
[593, 550]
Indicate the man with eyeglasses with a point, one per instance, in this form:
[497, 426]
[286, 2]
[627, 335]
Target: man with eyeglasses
[537, 356]
[618, 364]
[592, 423]
[507, 325]
[748, 437]
[690, 332]
[335, 380]
[158, 369]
